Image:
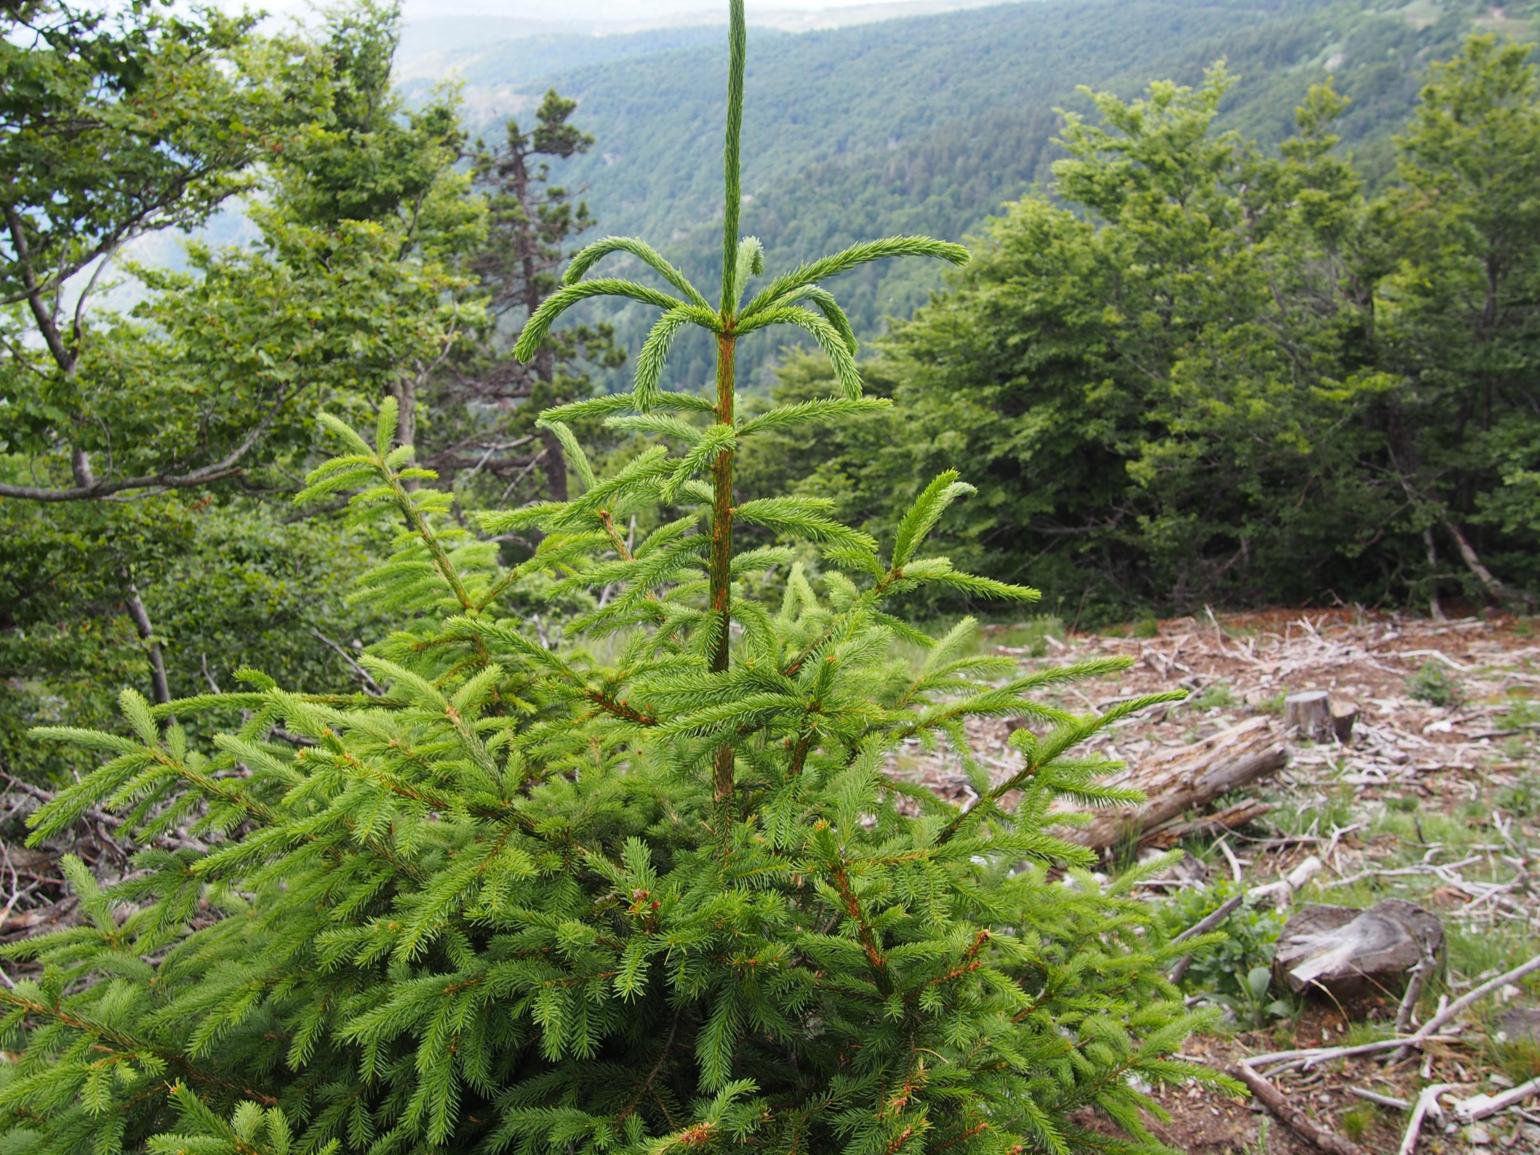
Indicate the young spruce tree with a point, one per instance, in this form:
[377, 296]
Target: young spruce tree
[653, 889]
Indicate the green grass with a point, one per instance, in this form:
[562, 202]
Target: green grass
[1296, 817]
[1359, 1033]
[1417, 826]
[1275, 704]
[1434, 685]
[1358, 1121]
[1219, 696]
[1519, 1059]
[1523, 710]
[1520, 799]
[1489, 950]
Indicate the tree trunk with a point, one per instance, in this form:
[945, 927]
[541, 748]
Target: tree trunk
[141, 619]
[160, 684]
[1435, 607]
[1186, 779]
[722, 556]
[555, 463]
[1472, 561]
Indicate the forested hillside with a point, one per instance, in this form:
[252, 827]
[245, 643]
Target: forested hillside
[439, 717]
[1196, 370]
[929, 124]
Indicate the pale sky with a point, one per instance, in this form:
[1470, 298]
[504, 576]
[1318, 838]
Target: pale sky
[587, 12]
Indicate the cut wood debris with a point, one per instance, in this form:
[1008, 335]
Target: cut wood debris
[1417, 778]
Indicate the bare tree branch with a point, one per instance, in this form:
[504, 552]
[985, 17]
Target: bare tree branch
[226, 467]
[46, 321]
[141, 619]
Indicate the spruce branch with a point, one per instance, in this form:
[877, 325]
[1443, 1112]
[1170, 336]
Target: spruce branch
[818, 409]
[660, 339]
[828, 337]
[124, 1044]
[540, 322]
[592, 254]
[749, 264]
[577, 460]
[824, 302]
[384, 464]
[925, 512]
[785, 286]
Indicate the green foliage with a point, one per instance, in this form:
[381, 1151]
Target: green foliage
[350, 287]
[483, 405]
[1218, 696]
[164, 113]
[1201, 373]
[1225, 971]
[928, 124]
[227, 587]
[1433, 684]
[649, 887]
[1358, 1121]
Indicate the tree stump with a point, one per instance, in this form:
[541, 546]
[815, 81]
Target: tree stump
[1343, 716]
[1308, 714]
[1356, 954]
[1518, 1026]
[1186, 779]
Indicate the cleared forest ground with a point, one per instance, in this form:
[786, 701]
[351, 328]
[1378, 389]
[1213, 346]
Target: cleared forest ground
[1434, 798]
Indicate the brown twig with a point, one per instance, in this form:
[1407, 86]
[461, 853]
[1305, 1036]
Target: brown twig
[1292, 1117]
[91, 813]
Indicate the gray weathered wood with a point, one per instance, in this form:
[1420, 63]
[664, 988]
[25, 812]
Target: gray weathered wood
[1343, 717]
[1351, 954]
[1308, 714]
[1186, 779]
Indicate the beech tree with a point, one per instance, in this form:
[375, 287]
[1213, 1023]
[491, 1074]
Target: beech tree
[1201, 373]
[1463, 331]
[140, 427]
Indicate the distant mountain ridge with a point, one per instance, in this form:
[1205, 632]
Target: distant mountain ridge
[507, 50]
[929, 123]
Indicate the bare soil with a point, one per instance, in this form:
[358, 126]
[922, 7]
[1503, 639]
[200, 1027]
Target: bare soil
[1434, 800]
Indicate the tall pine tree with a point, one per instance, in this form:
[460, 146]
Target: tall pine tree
[489, 402]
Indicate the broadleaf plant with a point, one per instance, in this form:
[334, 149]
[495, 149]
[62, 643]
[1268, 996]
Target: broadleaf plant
[646, 878]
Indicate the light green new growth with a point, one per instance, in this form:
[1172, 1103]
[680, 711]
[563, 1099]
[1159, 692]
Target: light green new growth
[742, 258]
[616, 854]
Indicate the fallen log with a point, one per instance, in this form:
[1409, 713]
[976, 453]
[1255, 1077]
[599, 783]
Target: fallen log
[1210, 826]
[1186, 779]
